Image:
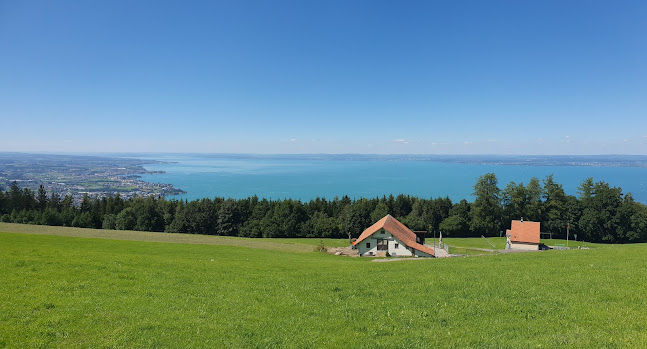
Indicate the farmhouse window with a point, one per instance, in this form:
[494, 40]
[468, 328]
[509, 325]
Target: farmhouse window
[397, 245]
[368, 245]
[382, 244]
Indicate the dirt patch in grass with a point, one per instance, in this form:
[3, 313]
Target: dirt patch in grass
[390, 259]
[342, 251]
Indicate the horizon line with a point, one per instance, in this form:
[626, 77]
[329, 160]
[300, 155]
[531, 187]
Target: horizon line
[291, 154]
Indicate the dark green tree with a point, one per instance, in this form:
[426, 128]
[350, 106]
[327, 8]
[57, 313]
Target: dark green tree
[599, 220]
[228, 218]
[109, 221]
[458, 222]
[320, 225]
[54, 201]
[486, 209]
[514, 201]
[126, 219]
[555, 216]
[4, 203]
[83, 220]
[42, 198]
[379, 212]
[534, 201]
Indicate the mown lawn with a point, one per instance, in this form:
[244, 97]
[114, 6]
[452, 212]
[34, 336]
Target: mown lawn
[60, 291]
[499, 242]
[314, 241]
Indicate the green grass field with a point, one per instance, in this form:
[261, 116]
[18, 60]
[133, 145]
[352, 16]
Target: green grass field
[286, 245]
[499, 243]
[65, 291]
[475, 242]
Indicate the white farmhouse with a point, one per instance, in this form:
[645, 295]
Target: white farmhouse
[389, 235]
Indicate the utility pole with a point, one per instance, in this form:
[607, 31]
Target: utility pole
[568, 228]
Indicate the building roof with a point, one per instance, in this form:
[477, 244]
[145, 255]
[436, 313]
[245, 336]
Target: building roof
[525, 231]
[397, 229]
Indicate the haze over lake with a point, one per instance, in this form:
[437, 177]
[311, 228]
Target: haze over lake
[306, 177]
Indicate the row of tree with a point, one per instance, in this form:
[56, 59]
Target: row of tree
[600, 213]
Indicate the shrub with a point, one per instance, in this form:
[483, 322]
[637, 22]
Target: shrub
[321, 247]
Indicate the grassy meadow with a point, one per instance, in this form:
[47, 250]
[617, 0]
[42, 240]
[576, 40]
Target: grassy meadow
[70, 291]
[277, 244]
[499, 242]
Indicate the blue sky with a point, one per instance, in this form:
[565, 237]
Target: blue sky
[437, 77]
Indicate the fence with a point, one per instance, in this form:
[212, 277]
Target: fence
[560, 247]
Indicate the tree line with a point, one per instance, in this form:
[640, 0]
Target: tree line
[599, 213]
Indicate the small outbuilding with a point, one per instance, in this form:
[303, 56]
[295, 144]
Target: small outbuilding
[390, 236]
[524, 235]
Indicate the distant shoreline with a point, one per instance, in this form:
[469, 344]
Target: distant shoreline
[306, 177]
[133, 176]
[497, 160]
[78, 175]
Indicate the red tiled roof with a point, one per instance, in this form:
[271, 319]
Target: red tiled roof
[525, 231]
[397, 229]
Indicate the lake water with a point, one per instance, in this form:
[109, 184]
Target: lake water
[305, 178]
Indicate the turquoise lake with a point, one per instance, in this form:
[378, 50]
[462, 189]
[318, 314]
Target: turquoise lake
[298, 177]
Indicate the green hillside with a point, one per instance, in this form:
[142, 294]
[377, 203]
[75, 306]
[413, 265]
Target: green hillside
[61, 291]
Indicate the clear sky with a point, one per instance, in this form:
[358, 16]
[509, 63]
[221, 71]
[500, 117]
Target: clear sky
[437, 77]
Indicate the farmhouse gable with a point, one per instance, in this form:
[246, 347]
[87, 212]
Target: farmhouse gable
[390, 236]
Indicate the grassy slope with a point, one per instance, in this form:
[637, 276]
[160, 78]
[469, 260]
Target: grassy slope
[78, 292]
[287, 245]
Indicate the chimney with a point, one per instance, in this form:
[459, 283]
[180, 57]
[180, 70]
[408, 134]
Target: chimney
[420, 236]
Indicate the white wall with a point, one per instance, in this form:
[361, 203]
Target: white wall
[401, 250]
[367, 251]
[524, 246]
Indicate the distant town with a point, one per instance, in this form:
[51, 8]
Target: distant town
[79, 175]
